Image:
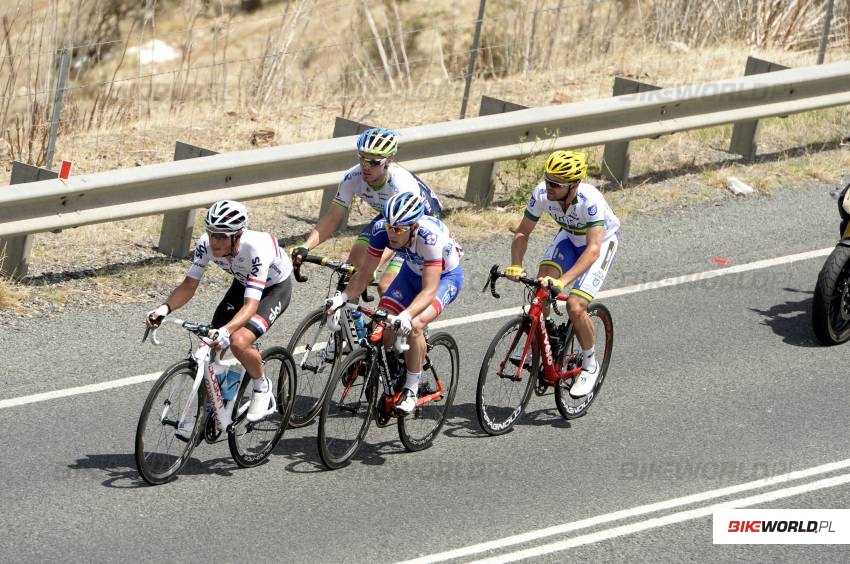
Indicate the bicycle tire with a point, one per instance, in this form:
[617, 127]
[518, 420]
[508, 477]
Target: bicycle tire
[568, 406]
[418, 429]
[313, 372]
[499, 399]
[160, 454]
[831, 300]
[347, 409]
[252, 443]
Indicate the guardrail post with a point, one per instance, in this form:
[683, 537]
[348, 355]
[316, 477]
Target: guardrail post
[481, 182]
[615, 158]
[15, 251]
[175, 238]
[342, 128]
[744, 133]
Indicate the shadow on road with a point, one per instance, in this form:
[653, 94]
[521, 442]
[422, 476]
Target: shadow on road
[121, 472]
[791, 320]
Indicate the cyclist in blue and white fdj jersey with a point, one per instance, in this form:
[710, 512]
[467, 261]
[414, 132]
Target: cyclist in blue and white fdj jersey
[429, 280]
[582, 252]
[374, 179]
[259, 294]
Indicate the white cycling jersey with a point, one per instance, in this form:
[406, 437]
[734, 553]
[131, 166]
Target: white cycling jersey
[432, 244]
[588, 209]
[259, 262]
[399, 180]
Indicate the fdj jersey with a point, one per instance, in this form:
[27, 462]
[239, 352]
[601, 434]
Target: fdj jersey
[398, 180]
[432, 244]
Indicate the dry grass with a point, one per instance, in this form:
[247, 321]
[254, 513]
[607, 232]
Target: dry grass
[424, 53]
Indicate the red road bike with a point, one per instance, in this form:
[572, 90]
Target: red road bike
[527, 355]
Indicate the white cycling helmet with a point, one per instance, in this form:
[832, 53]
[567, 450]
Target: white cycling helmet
[227, 217]
[404, 208]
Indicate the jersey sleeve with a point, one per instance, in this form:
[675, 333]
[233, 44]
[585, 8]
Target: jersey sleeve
[536, 203]
[378, 238]
[594, 211]
[201, 258]
[347, 188]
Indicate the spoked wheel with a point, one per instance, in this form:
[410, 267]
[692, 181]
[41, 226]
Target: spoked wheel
[568, 406]
[831, 301]
[251, 443]
[504, 387]
[418, 429]
[314, 346]
[160, 453]
[347, 409]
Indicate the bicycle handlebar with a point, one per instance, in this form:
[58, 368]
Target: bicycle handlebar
[338, 266]
[496, 273]
[203, 330]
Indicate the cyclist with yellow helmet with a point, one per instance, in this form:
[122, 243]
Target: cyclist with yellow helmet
[581, 254]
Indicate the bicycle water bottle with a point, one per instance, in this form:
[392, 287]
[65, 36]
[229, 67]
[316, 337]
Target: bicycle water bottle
[359, 324]
[232, 381]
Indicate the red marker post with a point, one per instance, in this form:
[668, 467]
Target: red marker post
[65, 170]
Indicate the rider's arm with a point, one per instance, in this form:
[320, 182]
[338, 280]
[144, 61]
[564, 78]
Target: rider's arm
[430, 284]
[587, 258]
[363, 276]
[326, 226]
[182, 293]
[245, 313]
[520, 242]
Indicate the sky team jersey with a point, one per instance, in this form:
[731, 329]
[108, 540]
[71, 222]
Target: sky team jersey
[433, 244]
[399, 180]
[588, 209]
[260, 262]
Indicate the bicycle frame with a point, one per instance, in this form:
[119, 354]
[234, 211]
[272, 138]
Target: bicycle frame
[202, 356]
[374, 343]
[553, 371]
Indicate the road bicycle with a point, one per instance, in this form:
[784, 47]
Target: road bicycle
[320, 341]
[178, 400]
[353, 398]
[527, 355]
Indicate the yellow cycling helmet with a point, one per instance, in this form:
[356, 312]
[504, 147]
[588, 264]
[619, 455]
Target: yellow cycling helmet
[566, 166]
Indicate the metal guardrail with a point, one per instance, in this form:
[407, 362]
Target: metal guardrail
[261, 173]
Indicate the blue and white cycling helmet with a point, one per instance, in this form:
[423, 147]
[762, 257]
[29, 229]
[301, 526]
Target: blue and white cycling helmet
[378, 141]
[404, 208]
[226, 217]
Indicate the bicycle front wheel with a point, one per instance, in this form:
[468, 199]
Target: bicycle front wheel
[603, 327]
[504, 387]
[418, 429]
[160, 452]
[314, 346]
[347, 409]
[251, 443]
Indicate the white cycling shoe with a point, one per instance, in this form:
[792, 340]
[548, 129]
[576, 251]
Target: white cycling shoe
[262, 405]
[585, 382]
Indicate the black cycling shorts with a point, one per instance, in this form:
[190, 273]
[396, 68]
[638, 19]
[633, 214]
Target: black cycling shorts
[273, 303]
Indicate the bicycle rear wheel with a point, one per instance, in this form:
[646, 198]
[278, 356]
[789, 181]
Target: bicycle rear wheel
[313, 369]
[504, 388]
[160, 454]
[347, 409]
[568, 406]
[251, 443]
[418, 429]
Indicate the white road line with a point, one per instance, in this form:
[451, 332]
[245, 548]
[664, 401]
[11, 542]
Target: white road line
[441, 324]
[630, 513]
[665, 520]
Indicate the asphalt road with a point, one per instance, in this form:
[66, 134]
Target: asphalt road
[714, 382]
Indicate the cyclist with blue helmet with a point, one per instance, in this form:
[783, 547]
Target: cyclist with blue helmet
[374, 179]
[429, 280]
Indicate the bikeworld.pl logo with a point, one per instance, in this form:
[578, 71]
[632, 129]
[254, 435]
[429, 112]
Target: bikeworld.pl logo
[781, 526]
